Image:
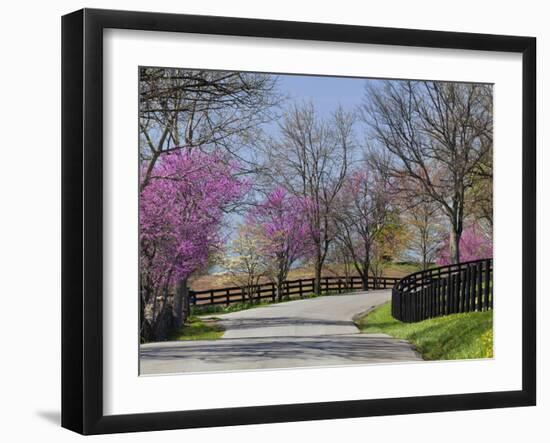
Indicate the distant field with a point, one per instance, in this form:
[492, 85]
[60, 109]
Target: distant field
[216, 281]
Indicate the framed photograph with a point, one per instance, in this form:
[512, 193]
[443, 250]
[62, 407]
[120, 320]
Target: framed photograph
[269, 221]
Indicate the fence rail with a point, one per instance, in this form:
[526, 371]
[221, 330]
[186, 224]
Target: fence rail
[291, 289]
[463, 287]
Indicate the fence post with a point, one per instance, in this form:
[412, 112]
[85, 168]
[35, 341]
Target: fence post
[440, 296]
[273, 291]
[451, 291]
[480, 286]
[473, 280]
[453, 294]
[457, 291]
[486, 288]
[432, 301]
[300, 288]
[211, 296]
[462, 290]
[490, 286]
[467, 289]
[227, 298]
[427, 302]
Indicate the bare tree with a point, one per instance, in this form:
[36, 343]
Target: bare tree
[310, 159]
[424, 223]
[438, 134]
[364, 211]
[388, 245]
[341, 262]
[246, 262]
[480, 196]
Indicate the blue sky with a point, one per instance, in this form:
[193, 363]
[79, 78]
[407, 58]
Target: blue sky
[326, 93]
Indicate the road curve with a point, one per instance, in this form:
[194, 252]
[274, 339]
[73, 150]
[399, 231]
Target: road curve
[302, 318]
[300, 333]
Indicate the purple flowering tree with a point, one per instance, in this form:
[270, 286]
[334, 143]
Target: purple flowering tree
[282, 222]
[181, 211]
[475, 244]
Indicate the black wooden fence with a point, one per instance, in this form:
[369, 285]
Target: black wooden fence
[291, 289]
[463, 287]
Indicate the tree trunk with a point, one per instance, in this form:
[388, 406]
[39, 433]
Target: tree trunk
[317, 283]
[424, 250]
[163, 324]
[454, 245]
[279, 290]
[145, 326]
[164, 319]
[178, 306]
[365, 282]
[181, 304]
[144, 332]
[457, 247]
[186, 303]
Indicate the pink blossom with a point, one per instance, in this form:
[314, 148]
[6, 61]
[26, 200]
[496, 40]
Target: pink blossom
[284, 226]
[474, 245]
[181, 211]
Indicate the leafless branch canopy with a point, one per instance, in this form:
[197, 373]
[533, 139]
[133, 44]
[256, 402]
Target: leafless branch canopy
[311, 159]
[438, 133]
[201, 109]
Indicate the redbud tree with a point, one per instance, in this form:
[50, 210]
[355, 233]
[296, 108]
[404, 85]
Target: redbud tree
[282, 222]
[181, 211]
[475, 244]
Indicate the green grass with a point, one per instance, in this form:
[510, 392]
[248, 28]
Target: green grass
[452, 337]
[198, 329]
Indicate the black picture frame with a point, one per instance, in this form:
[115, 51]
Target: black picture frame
[82, 218]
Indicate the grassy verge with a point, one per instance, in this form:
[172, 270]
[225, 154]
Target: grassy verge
[453, 337]
[198, 329]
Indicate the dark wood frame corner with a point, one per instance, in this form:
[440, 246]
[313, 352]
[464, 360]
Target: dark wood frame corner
[82, 253]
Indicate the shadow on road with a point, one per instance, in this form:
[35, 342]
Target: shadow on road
[268, 322]
[348, 348]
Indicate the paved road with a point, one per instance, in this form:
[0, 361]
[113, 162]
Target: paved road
[302, 318]
[301, 333]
